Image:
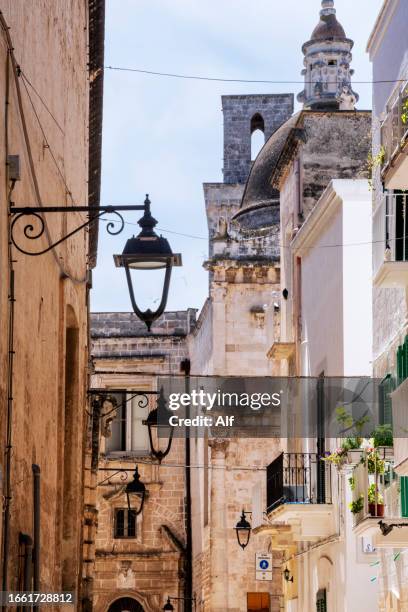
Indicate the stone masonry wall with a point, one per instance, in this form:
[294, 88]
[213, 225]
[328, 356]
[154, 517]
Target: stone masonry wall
[238, 111]
[50, 43]
[150, 566]
[337, 146]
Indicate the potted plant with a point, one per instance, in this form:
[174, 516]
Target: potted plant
[375, 501]
[353, 446]
[383, 441]
[357, 505]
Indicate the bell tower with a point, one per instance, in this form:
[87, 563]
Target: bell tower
[327, 62]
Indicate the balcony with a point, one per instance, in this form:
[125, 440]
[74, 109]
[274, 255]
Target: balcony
[299, 495]
[390, 242]
[394, 141]
[377, 497]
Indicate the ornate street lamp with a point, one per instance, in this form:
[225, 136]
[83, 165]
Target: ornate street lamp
[137, 490]
[287, 576]
[168, 606]
[158, 419]
[243, 529]
[148, 251]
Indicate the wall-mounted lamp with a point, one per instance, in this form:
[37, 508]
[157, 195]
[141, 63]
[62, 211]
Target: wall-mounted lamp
[287, 576]
[243, 530]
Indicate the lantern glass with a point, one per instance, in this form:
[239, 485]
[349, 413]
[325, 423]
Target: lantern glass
[135, 492]
[148, 251]
[243, 530]
[159, 427]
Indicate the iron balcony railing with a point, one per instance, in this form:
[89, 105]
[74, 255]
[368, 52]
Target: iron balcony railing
[298, 478]
[394, 129]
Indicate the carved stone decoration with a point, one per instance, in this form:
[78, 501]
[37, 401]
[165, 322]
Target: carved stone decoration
[222, 233]
[126, 577]
[258, 315]
[346, 99]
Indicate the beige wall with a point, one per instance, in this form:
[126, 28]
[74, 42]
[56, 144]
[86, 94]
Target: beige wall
[50, 46]
[231, 340]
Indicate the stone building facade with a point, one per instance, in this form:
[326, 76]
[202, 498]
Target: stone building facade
[51, 110]
[230, 340]
[387, 48]
[139, 569]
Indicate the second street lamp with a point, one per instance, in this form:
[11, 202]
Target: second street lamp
[157, 420]
[136, 489]
[243, 530]
[148, 251]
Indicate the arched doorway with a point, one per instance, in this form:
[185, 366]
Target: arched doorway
[125, 604]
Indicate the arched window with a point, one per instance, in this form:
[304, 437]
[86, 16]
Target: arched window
[125, 604]
[257, 135]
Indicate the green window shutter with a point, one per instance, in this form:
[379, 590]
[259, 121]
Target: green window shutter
[321, 601]
[399, 364]
[386, 387]
[405, 349]
[404, 496]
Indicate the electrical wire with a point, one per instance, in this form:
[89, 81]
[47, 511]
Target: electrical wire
[17, 73]
[284, 246]
[48, 146]
[137, 460]
[24, 76]
[229, 80]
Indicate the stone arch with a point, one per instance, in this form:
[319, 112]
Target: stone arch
[257, 134]
[257, 123]
[125, 604]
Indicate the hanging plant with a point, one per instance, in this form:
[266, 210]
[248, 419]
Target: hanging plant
[375, 465]
[337, 457]
[357, 505]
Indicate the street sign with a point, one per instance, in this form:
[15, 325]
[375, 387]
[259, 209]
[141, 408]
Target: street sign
[263, 566]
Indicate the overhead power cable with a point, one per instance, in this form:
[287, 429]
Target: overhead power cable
[283, 246]
[229, 80]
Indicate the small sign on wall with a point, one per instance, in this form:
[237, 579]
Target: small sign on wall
[263, 566]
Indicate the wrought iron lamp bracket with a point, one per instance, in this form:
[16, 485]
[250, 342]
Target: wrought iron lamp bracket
[37, 227]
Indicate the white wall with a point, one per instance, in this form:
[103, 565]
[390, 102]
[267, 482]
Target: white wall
[335, 247]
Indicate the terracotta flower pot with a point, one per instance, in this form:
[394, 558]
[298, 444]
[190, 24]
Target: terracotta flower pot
[376, 509]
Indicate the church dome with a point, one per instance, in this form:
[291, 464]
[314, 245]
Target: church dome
[260, 202]
[328, 28]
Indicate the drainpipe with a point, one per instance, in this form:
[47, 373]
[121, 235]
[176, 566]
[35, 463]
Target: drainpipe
[26, 541]
[37, 528]
[185, 367]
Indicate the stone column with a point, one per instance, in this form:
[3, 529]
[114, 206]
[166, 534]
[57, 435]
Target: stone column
[218, 529]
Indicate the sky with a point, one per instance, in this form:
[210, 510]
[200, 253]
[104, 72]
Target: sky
[163, 136]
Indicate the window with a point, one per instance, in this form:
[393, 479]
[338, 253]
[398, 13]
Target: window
[396, 231]
[128, 432]
[124, 523]
[332, 62]
[259, 602]
[321, 601]
[257, 135]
